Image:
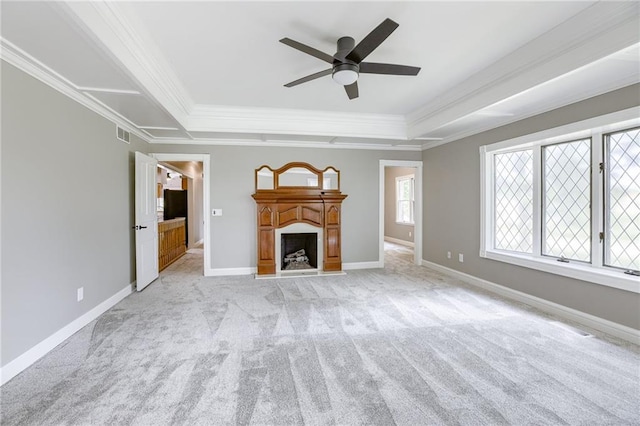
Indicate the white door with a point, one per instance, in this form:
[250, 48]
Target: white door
[146, 221]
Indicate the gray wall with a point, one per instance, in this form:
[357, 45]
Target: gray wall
[56, 238]
[452, 215]
[232, 183]
[391, 228]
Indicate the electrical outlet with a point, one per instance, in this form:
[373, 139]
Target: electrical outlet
[448, 255]
[409, 233]
[460, 257]
[80, 294]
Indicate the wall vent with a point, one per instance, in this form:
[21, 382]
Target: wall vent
[122, 134]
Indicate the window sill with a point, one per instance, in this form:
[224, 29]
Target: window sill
[610, 278]
[406, 223]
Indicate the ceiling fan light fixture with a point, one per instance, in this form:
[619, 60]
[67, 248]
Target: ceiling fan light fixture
[345, 74]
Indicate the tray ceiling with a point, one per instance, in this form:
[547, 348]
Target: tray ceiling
[193, 72]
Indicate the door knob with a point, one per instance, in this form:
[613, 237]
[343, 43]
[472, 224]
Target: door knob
[138, 227]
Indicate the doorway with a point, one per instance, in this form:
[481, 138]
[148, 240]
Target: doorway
[400, 210]
[194, 170]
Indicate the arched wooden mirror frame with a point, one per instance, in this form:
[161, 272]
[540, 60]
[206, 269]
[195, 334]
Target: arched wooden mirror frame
[317, 174]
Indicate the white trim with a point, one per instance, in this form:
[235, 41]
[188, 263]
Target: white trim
[19, 364]
[399, 241]
[206, 196]
[362, 265]
[417, 208]
[36, 69]
[578, 130]
[618, 330]
[288, 144]
[107, 90]
[299, 228]
[124, 37]
[609, 277]
[223, 272]
[214, 118]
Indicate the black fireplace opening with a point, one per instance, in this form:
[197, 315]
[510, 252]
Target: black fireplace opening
[299, 251]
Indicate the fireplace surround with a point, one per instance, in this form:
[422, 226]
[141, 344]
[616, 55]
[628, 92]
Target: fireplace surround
[298, 198]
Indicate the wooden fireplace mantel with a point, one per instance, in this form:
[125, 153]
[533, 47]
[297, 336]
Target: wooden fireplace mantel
[282, 206]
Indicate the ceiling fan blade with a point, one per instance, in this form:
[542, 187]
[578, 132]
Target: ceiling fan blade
[372, 40]
[393, 69]
[309, 78]
[352, 90]
[307, 49]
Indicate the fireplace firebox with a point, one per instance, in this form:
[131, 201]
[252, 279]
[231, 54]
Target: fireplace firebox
[299, 251]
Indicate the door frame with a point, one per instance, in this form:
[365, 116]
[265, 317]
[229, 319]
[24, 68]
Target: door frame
[206, 194]
[417, 209]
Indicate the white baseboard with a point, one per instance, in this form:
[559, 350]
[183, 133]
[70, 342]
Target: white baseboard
[618, 330]
[398, 241]
[19, 364]
[362, 265]
[221, 272]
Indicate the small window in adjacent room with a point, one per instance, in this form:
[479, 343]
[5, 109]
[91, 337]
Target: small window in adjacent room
[405, 199]
[566, 201]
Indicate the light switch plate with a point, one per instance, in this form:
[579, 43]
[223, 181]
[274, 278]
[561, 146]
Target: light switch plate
[216, 212]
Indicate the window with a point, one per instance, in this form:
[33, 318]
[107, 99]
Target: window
[405, 199]
[513, 198]
[566, 203]
[622, 199]
[566, 231]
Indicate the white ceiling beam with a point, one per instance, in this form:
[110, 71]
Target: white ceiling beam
[127, 45]
[206, 118]
[596, 32]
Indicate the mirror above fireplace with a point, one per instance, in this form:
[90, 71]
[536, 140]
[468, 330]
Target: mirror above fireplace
[297, 176]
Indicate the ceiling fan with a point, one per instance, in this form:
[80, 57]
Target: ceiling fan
[346, 64]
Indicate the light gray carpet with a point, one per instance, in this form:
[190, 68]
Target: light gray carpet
[404, 345]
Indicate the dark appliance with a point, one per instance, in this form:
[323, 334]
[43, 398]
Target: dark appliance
[175, 205]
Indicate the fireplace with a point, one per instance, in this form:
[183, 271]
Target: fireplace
[299, 251]
[298, 199]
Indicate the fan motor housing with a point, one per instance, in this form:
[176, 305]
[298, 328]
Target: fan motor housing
[345, 66]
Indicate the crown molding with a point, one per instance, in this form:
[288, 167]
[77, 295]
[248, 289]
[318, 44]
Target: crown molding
[286, 144]
[605, 87]
[20, 59]
[123, 39]
[291, 122]
[596, 32]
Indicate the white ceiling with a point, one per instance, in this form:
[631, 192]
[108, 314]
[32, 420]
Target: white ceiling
[213, 72]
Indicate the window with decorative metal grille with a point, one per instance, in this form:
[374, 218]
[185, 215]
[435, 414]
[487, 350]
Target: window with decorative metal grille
[621, 169]
[567, 204]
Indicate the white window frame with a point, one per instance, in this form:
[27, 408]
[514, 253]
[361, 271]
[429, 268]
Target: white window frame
[594, 128]
[412, 179]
